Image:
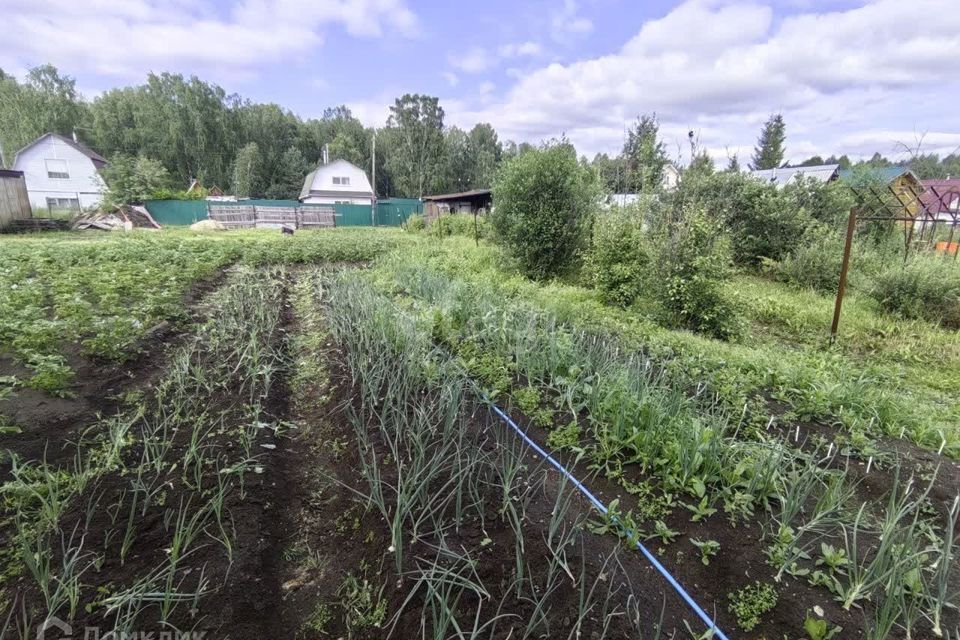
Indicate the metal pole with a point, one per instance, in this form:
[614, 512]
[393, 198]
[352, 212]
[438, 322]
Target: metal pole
[373, 170]
[851, 225]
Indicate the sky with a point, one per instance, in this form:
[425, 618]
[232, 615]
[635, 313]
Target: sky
[850, 77]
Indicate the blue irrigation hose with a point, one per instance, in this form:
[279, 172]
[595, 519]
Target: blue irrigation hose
[707, 620]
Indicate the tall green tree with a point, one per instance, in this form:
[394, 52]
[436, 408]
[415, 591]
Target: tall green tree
[246, 180]
[459, 163]
[769, 152]
[415, 133]
[701, 165]
[46, 102]
[733, 164]
[288, 176]
[645, 155]
[486, 152]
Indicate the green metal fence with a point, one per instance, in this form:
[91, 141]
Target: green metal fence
[391, 212]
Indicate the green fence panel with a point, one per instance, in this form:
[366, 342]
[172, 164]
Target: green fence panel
[394, 212]
[177, 212]
[391, 212]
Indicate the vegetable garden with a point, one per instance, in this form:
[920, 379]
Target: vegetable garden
[248, 435]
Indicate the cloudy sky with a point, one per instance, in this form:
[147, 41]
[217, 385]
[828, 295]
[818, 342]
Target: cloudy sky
[849, 76]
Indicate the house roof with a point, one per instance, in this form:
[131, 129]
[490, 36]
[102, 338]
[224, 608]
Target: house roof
[783, 175]
[306, 190]
[941, 196]
[97, 159]
[881, 174]
[10, 173]
[473, 193]
[308, 183]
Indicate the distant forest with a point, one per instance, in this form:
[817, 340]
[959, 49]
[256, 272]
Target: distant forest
[193, 129]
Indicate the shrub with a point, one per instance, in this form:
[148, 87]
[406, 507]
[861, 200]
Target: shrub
[815, 262]
[692, 262]
[927, 287]
[764, 222]
[543, 204]
[460, 224]
[416, 223]
[619, 256]
[826, 202]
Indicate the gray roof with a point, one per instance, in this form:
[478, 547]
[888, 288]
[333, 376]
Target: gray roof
[307, 183]
[783, 175]
[98, 160]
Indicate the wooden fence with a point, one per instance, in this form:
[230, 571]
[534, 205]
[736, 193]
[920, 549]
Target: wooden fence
[248, 216]
[14, 203]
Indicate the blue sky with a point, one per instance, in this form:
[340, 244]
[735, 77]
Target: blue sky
[849, 76]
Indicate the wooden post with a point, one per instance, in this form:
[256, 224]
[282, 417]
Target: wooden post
[476, 232]
[851, 225]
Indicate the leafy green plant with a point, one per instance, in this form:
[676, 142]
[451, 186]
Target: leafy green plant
[707, 548]
[820, 629]
[750, 603]
[701, 510]
[566, 437]
[618, 261]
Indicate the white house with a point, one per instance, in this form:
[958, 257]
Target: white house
[61, 173]
[339, 182]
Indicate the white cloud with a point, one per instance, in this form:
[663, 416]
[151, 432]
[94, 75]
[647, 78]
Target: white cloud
[516, 50]
[473, 60]
[487, 87]
[567, 22]
[451, 78]
[722, 67]
[131, 37]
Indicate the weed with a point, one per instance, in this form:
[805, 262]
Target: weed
[750, 603]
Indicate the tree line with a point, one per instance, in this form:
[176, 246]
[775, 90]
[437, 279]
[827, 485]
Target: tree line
[173, 129]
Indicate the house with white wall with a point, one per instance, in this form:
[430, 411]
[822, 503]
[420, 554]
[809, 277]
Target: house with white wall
[339, 182]
[61, 174]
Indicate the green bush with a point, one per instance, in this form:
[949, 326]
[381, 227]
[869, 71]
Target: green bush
[825, 202]
[765, 223]
[416, 223]
[927, 287]
[619, 256]
[692, 260]
[460, 224]
[815, 262]
[544, 200]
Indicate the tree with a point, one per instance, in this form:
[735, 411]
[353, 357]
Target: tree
[812, 161]
[769, 152]
[612, 172]
[701, 165]
[133, 179]
[415, 131]
[458, 161]
[289, 175]
[544, 203]
[246, 171]
[45, 103]
[486, 152]
[645, 156]
[733, 165]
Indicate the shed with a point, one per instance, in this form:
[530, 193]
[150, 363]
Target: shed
[474, 201]
[61, 173]
[14, 201]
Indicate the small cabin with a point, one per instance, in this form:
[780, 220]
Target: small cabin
[61, 174]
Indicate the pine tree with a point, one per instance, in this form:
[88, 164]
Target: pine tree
[769, 152]
[645, 156]
[733, 165]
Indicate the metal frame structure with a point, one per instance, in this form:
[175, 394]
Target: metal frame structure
[928, 212]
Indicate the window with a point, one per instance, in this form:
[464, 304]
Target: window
[57, 169]
[342, 202]
[63, 203]
[341, 179]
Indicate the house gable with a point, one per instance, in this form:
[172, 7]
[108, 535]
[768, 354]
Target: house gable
[339, 179]
[60, 172]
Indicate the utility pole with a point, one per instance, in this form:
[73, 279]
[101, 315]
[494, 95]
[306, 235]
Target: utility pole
[373, 171]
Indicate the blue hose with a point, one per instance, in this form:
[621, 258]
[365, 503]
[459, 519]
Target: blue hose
[707, 620]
